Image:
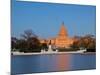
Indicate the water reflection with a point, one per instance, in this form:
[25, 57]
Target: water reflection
[51, 62]
[63, 62]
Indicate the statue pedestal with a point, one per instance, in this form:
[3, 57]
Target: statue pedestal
[50, 50]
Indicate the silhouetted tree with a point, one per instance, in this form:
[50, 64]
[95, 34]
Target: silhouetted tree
[21, 45]
[13, 43]
[33, 44]
[88, 42]
[27, 43]
[76, 43]
[28, 34]
[31, 40]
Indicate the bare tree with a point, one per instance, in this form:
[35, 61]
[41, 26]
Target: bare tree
[28, 34]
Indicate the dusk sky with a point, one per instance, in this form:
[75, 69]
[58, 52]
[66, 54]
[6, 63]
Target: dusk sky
[45, 19]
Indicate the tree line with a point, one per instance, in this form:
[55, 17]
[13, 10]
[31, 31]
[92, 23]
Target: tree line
[29, 42]
[86, 42]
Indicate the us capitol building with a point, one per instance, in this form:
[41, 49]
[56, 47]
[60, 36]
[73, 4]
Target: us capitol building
[62, 40]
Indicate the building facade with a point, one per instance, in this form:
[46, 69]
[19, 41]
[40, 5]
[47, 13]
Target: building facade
[62, 40]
